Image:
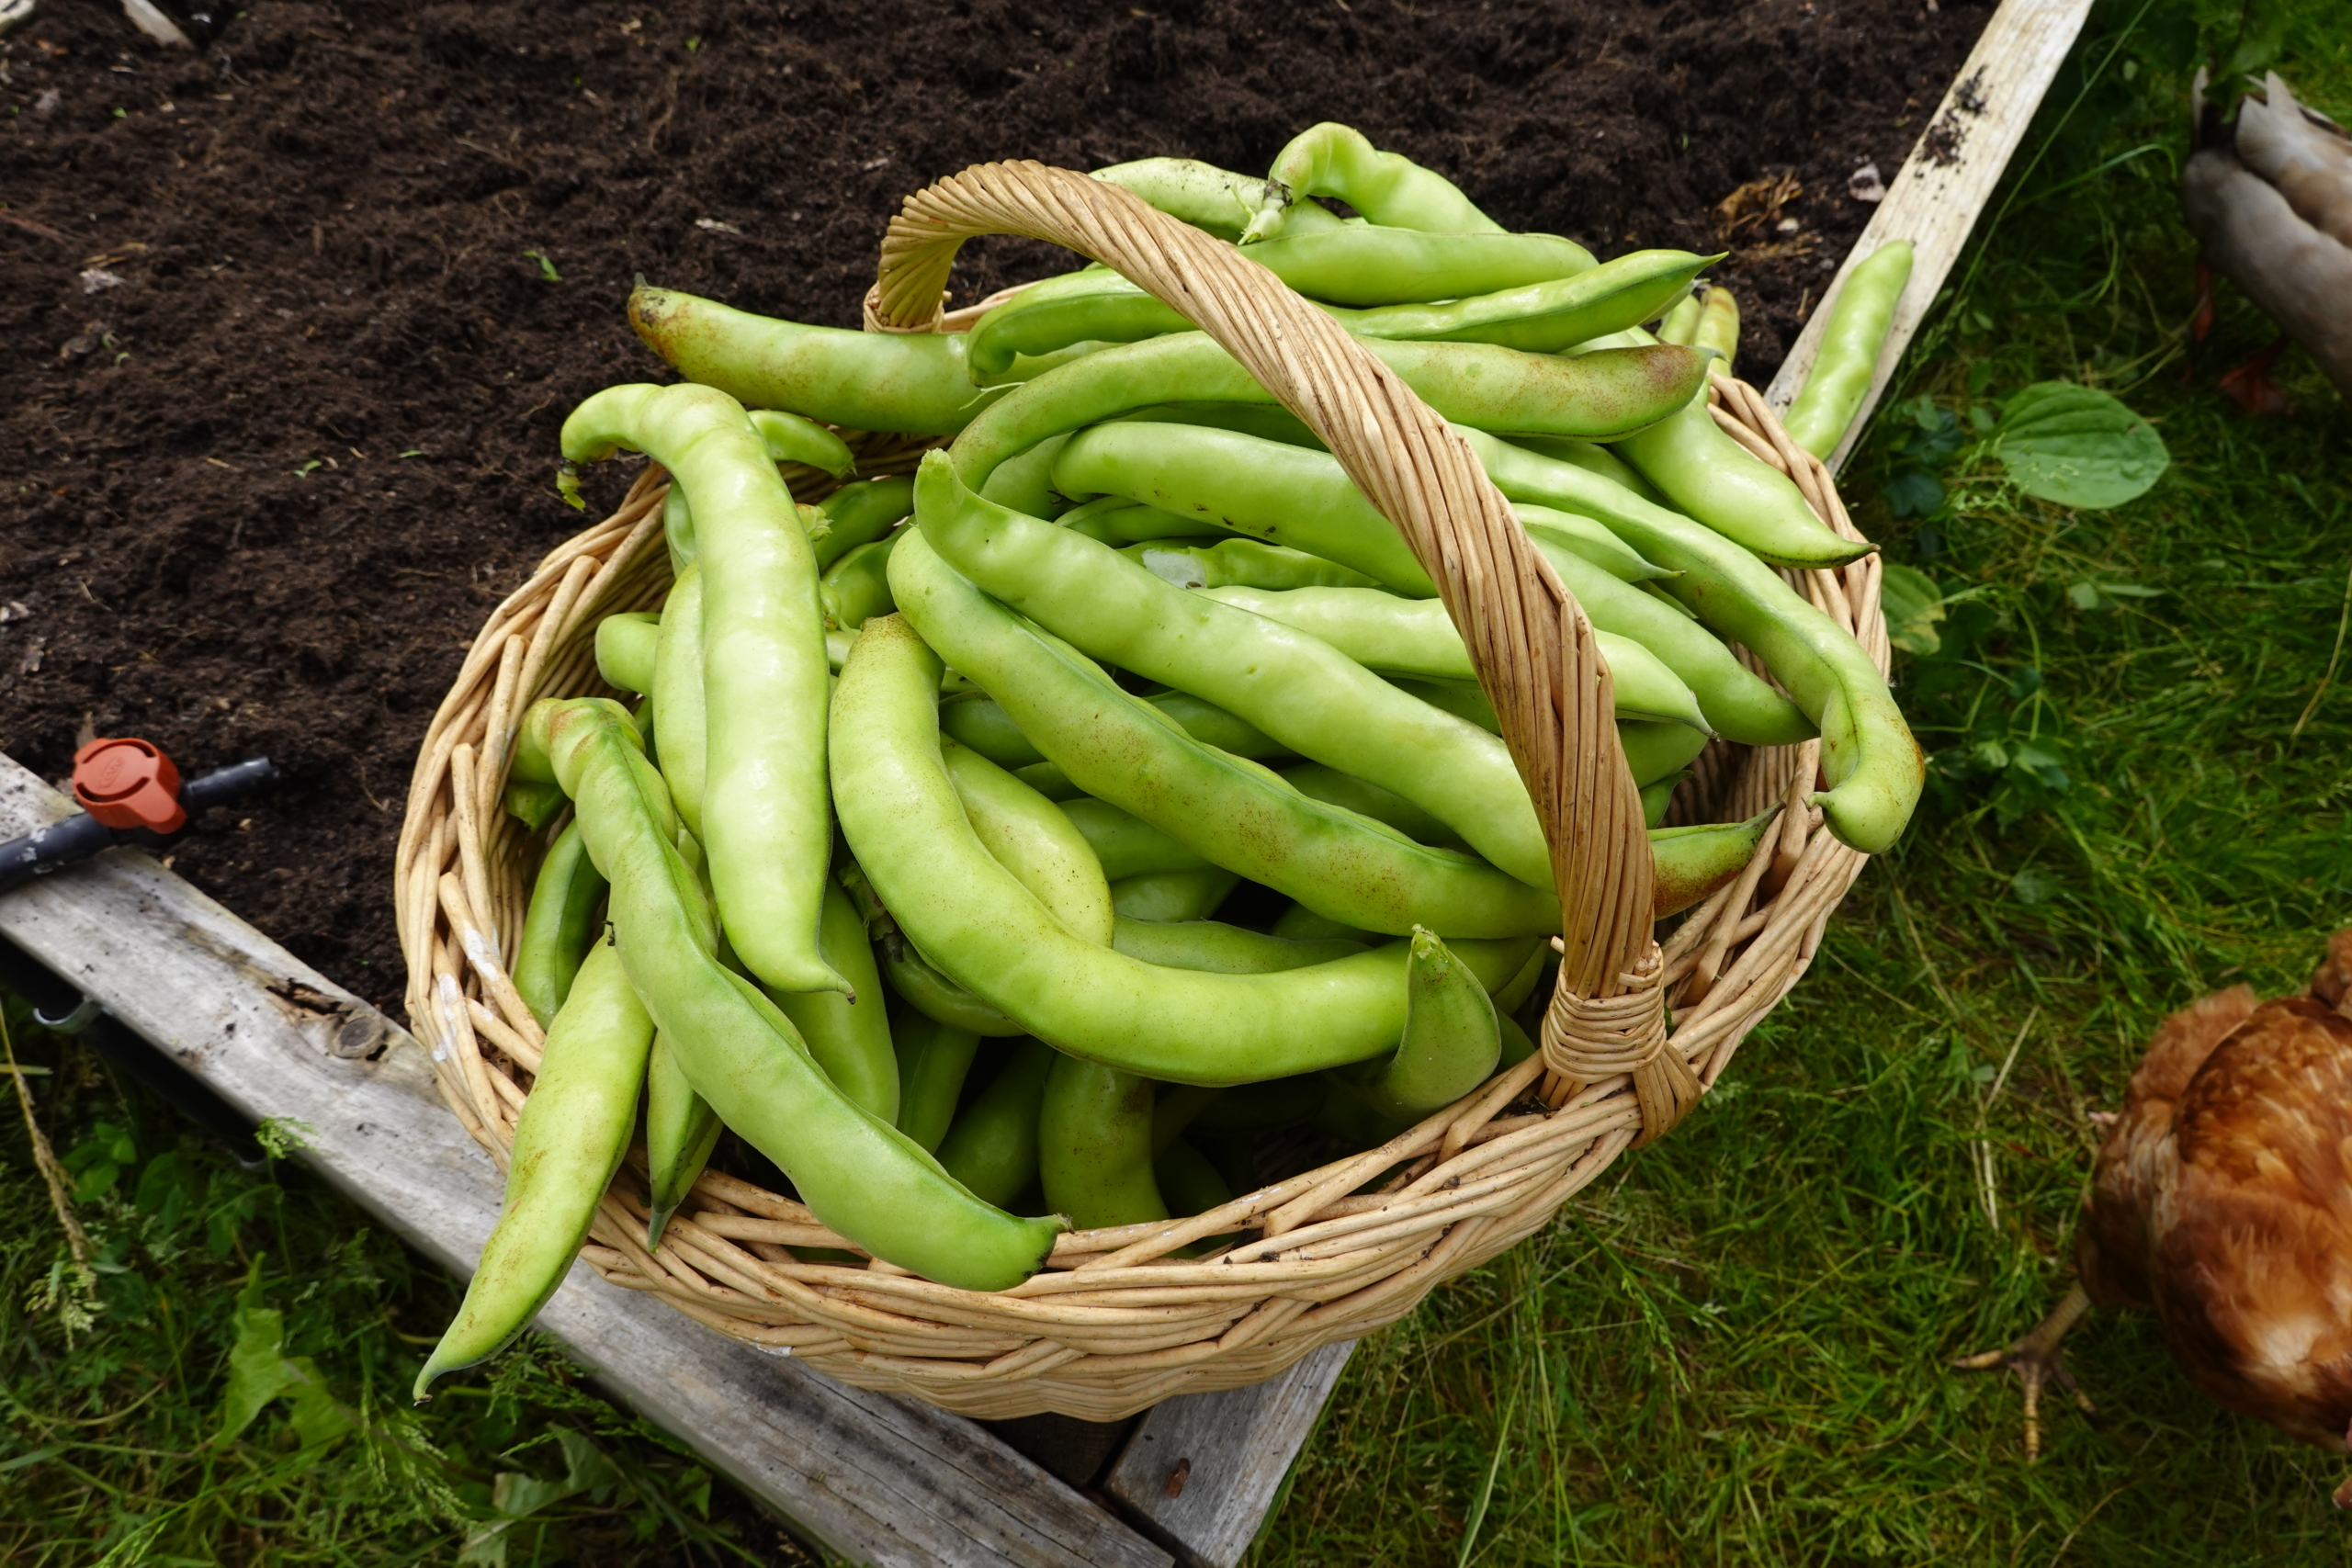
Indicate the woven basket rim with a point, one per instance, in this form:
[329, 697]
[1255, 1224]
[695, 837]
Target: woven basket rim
[1115, 1322]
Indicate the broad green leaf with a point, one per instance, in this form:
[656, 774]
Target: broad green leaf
[1913, 606]
[2077, 447]
[258, 1371]
[318, 1419]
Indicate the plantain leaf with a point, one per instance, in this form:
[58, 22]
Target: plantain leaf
[2077, 447]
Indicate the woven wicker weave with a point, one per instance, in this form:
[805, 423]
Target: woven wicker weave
[1117, 1322]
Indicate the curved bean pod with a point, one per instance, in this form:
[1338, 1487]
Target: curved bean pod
[681, 1129]
[973, 919]
[1094, 1146]
[1850, 344]
[1231, 811]
[1370, 264]
[1172, 897]
[1032, 838]
[794, 438]
[569, 1140]
[677, 696]
[1594, 458]
[1223, 949]
[849, 1035]
[1298, 689]
[1118, 521]
[1717, 332]
[1706, 474]
[1205, 196]
[1125, 845]
[558, 925]
[860, 514]
[1874, 767]
[991, 1148]
[1654, 750]
[1450, 1042]
[1245, 562]
[767, 818]
[1693, 862]
[933, 1060]
[1388, 188]
[855, 1172]
[857, 586]
[624, 650]
[1599, 395]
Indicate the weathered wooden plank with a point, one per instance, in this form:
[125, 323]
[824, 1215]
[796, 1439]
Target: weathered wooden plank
[876, 1479]
[1935, 199]
[1199, 1472]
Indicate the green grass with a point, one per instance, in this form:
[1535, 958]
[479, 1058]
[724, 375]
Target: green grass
[1734, 1349]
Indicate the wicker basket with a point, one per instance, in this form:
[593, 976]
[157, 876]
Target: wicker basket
[1117, 1322]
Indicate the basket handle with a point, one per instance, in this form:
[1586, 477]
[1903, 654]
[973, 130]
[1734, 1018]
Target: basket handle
[1530, 644]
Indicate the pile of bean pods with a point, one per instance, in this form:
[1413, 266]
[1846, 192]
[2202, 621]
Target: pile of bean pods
[905, 866]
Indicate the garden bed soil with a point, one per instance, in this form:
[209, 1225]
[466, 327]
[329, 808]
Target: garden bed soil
[292, 321]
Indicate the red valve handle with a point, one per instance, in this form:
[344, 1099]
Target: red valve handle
[129, 783]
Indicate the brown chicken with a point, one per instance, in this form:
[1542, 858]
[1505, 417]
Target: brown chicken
[2223, 1199]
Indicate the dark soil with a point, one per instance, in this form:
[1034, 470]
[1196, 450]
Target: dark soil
[290, 323]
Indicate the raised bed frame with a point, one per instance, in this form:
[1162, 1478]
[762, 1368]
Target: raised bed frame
[870, 1477]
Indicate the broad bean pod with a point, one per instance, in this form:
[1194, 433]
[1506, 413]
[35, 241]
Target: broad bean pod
[1116, 521]
[1118, 748]
[678, 704]
[1873, 766]
[569, 1140]
[794, 438]
[625, 645]
[1599, 395]
[1593, 458]
[1716, 334]
[991, 1148]
[532, 804]
[860, 514]
[1416, 636]
[1680, 321]
[766, 818]
[1094, 1146]
[933, 1060]
[558, 925]
[976, 719]
[1296, 688]
[1205, 195]
[1036, 841]
[856, 1172]
[975, 920]
[1223, 949]
[1450, 1043]
[1850, 344]
[1189, 1183]
[1317, 782]
[1715, 480]
[681, 1129]
[857, 586]
[849, 1034]
[1388, 188]
[1124, 844]
[1172, 897]
[1693, 862]
[1249, 563]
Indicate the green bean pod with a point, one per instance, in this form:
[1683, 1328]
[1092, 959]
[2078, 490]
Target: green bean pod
[1223, 949]
[1172, 897]
[1205, 195]
[1297, 689]
[1299, 923]
[767, 818]
[680, 1130]
[1115, 520]
[1583, 537]
[794, 438]
[569, 1140]
[1120, 749]
[933, 1060]
[1706, 474]
[991, 1148]
[912, 383]
[1048, 781]
[1416, 636]
[857, 587]
[1450, 1042]
[923, 987]
[1600, 395]
[860, 514]
[1033, 839]
[533, 803]
[1244, 562]
[558, 925]
[1874, 768]
[1657, 795]
[975, 920]
[1680, 321]
[1717, 332]
[1367, 264]
[1317, 782]
[1850, 344]
[1694, 861]
[1592, 457]
[1125, 845]
[1189, 1182]
[856, 1173]
[626, 646]
[1388, 188]
[849, 1034]
[1654, 750]
[677, 696]
[1094, 1146]
[1545, 317]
